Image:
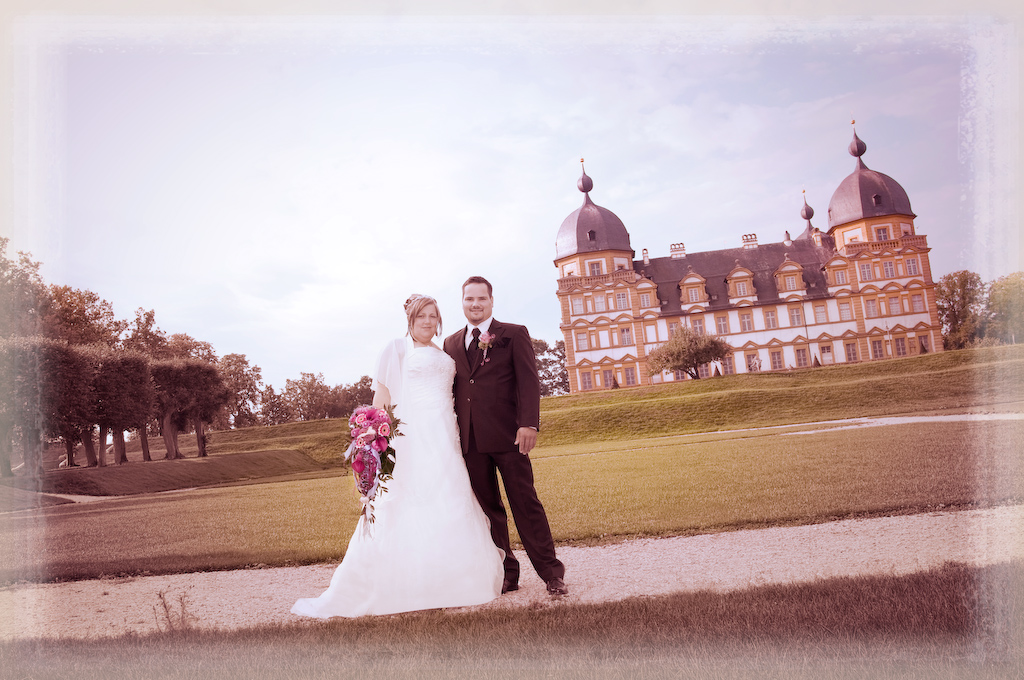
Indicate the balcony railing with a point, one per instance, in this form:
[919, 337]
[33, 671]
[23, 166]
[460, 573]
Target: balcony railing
[569, 282]
[916, 241]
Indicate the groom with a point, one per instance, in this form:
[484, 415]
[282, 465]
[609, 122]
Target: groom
[497, 401]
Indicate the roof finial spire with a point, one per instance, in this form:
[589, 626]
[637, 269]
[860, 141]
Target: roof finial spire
[585, 184]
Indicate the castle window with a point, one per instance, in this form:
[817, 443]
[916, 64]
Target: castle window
[592, 235]
[586, 382]
[581, 341]
[697, 325]
[865, 272]
[577, 305]
[882, 233]
[776, 358]
[851, 351]
[840, 276]
[645, 299]
[595, 267]
[877, 200]
[889, 270]
[820, 314]
[877, 351]
[694, 295]
[741, 288]
[770, 320]
[845, 314]
[630, 375]
[599, 302]
[801, 358]
[679, 375]
[917, 302]
[746, 323]
[723, 324]
[728, 365]
[704, 371]
[796, 316]
[901, 346]
[912, 269]
[672, 328]
[923, 344]
[627, 336]
[621, 301]
[609, 378]
[894, 306]
[871, 308]
[790, 282]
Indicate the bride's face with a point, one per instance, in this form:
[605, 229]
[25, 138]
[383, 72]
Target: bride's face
[424, 326]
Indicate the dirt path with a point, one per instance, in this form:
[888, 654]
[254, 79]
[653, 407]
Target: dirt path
[721, 562]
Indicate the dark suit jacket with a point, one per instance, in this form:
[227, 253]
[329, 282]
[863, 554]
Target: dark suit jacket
[497, 396]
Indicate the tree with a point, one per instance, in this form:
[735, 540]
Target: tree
[80, 317]
[554, 378]
[687, 351]
[125, 398]
[274, 407]
[1006, 308]
[309, 397]
[22, 294]
[184, 346]
[188, 392]
[144, 336]
[960, 300]
[345, 398]
[245, 383]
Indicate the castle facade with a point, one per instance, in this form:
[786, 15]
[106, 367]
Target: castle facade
[862, 291]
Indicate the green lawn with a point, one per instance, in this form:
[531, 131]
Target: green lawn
[657, 486]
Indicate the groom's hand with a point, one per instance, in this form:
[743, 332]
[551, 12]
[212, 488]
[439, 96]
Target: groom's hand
[526, 438]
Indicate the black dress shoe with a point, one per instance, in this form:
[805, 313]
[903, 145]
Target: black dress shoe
[556, 587]
[508, 585]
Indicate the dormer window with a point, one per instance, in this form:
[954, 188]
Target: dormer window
[741, 288]
[876, 199]
[592, 235]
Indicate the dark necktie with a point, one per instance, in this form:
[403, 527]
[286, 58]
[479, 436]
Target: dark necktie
[473, 351]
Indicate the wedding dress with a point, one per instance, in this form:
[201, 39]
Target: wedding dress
[429, 545]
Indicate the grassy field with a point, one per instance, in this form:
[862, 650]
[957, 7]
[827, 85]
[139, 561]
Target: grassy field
[949, 381]
[659, 486]
[944, 623]
[666, 460]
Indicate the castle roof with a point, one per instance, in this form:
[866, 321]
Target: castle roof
[866, 193]
[763, 261]
[590, 227]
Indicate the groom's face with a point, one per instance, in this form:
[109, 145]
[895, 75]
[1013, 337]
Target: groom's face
[476, 303]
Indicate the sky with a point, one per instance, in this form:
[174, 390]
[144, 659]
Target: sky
[278, 186]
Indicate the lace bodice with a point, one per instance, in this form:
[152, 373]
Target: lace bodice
[429, 374]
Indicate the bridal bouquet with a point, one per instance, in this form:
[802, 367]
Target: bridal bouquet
[371, 454]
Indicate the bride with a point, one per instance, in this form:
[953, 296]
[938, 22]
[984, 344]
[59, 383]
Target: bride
[430, 544]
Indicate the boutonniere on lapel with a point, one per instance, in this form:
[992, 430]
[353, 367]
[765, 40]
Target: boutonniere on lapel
[485, 344]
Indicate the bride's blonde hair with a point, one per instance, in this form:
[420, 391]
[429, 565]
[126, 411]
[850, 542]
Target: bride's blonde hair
[415, 304]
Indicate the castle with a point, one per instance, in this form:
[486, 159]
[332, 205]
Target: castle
[861, 291]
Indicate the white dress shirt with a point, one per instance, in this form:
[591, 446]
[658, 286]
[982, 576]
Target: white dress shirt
[484, 326]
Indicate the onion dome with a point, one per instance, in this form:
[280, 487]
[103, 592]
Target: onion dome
[590, 228]
[806, 212]
[866, 193]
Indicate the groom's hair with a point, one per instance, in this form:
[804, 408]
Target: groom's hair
[478, 279]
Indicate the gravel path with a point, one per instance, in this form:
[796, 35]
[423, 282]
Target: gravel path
[721, 562]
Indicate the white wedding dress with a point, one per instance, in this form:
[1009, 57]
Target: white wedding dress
[430, 544]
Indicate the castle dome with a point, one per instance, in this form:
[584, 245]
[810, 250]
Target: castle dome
[590, 227]
[866, 193]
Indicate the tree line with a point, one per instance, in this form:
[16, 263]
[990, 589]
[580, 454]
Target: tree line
[973, 312]
[71, 371]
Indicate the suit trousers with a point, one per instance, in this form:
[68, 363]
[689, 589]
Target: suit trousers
[527, 511]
